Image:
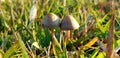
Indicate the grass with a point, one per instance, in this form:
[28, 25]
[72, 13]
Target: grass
[19, 40]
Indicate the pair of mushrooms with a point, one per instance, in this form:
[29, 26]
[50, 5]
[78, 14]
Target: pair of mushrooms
[68, 23]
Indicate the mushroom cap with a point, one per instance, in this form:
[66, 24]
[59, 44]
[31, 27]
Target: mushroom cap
[51, 21]
[69, 23]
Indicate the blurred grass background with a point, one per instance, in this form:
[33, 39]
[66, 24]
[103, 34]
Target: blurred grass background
[19, 40]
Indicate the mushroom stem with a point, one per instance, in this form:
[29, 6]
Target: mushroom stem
[61, 35]
[53, 35]
[71, 34]
[67, 35]
[55, 44]
[54, 39]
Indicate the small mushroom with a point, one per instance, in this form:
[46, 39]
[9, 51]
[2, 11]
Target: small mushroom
[52, 21]
[68, 24]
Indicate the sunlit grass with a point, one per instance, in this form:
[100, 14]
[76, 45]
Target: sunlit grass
[17, 39]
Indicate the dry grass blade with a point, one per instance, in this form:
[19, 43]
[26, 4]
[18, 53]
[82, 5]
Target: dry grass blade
[110, 40]
[89, 44]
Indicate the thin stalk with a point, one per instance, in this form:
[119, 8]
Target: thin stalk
[110, 40]
[53, 35]
[48, 53]
[61, 35]
[64, 2]
[43, 2]
[67, 36]
[54, 39]
[85, 15]
[55, 44]
[12, 15]
[71, 34]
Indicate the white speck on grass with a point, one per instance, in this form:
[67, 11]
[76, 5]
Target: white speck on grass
[117, 49]
[33, 13]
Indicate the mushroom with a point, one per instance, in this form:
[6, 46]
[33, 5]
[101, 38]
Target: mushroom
[68, 24]
[52, 21]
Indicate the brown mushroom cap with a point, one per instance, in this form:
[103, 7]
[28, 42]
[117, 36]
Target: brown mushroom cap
[51, 21]
[69, 23]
